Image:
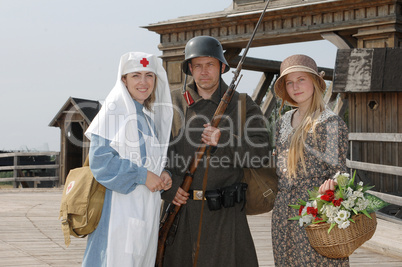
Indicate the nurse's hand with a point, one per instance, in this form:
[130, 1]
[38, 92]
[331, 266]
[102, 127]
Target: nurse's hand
[181, 197]
[327, 185]
[167, 180]
[154, 182]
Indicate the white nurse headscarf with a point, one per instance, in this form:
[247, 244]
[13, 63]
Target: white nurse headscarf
[117, 119]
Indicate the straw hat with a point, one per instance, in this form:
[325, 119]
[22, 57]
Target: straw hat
[293, 64]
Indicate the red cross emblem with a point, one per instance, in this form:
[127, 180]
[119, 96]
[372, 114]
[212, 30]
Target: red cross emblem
[69, 187]
[144, 62]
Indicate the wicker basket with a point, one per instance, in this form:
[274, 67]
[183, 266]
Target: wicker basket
[341, 243]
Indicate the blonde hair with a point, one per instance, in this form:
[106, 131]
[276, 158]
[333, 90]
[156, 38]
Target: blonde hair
[309, 121]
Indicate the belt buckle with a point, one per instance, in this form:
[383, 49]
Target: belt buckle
[198, 194]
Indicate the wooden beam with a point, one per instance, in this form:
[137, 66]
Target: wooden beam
[262, 87]
[257, 64]
[396, 200]
[28, 167]
[380, 168]
[27, 154]
[272, 66]
[379, 137]
[341, 105]
[268, 104]
[230, 53]
[37, 179]
[336, 40]
[330, 97]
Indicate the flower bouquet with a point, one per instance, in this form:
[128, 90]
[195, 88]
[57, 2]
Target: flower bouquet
[341, 220]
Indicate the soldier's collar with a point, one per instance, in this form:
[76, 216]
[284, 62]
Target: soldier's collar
[216, 97]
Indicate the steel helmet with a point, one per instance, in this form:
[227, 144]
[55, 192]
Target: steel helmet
[203, 46]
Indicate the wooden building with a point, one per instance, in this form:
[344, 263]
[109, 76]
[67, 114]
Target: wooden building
[73, 119]
[370, 26]
[371, 78]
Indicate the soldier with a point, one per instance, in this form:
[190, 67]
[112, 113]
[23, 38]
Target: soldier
[225, 235]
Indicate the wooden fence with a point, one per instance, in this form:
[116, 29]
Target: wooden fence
[379, 168]
[21, 167]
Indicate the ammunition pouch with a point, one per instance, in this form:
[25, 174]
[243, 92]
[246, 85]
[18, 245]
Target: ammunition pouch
[226, 197]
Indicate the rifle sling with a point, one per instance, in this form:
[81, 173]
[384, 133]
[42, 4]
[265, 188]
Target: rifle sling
[204, 188]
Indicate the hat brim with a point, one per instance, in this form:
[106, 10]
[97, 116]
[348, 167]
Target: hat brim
[280, 89]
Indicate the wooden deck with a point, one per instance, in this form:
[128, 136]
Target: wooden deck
[30, 235]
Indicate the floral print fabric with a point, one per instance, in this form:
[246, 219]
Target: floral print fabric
[324, 154]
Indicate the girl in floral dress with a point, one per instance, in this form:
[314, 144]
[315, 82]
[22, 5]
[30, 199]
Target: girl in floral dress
[311, 144]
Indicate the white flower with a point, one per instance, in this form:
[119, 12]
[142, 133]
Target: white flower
[330, 211]
[344, 225]
[336, 176]
[349, 203]
[343, 215]
[349, 192]
[341, 178]
[352, 200]
[361, 204]
[361, 183]
[338, 220]
[307, 219]
[331, 220]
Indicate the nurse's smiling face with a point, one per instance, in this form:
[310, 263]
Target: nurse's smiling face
[139, 84]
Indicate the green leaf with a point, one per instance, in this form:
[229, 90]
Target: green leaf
[320, 221]
[352, 181]
[319, 205]
[366, 213]
[367, 187]
[375, 203]
[297, 207]
[350, 219]
[296, 218]
[332, 226]
[302, 202]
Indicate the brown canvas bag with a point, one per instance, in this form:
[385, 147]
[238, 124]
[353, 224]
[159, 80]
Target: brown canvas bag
[262, 182]
[81, 203]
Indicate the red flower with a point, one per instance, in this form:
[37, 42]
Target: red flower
[329, 196]
[301, 209]
[312, 211]
[337, 202]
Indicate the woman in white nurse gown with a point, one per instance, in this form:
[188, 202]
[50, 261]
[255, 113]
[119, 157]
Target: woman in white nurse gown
[129, 139]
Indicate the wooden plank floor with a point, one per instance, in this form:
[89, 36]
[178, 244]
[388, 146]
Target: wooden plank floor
[30, 234]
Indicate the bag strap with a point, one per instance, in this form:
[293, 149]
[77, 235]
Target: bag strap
[65, 226]
[86, 162]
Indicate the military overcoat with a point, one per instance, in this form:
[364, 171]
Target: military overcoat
[225, 236]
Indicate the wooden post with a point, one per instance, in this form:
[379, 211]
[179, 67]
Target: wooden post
[15, 171]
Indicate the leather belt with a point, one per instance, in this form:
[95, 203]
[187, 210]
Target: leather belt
[196, 194]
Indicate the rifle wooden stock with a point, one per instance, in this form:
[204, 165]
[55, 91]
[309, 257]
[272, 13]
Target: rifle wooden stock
[188, 178]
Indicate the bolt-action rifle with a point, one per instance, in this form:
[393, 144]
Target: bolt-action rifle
[172, 210]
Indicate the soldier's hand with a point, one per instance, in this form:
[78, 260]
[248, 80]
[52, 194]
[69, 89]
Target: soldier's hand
[210, 135]
[181, 197]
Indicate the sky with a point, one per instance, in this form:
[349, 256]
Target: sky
[54, 49]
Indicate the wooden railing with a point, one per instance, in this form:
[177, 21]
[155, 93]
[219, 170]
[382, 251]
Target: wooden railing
[17, 168]
[379, 168]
